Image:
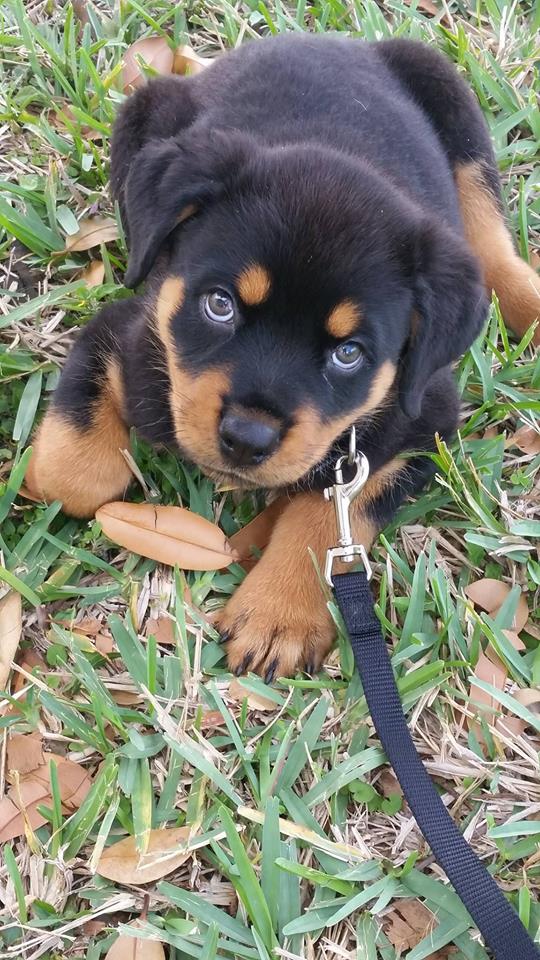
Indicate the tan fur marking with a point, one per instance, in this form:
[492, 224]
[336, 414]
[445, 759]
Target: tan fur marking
[195, 401]
[298, 630]
[516, 284]
[254, 285]
[343, 320]
[83, 467]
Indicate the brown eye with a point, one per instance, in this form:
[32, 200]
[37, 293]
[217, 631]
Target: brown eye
[348, 355]
[218, 306]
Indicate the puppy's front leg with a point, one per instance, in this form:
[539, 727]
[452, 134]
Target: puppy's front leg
[278, 621]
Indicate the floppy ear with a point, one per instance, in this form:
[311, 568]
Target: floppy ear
[170, 181]
[451, 306]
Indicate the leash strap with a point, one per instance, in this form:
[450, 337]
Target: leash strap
[496, 919]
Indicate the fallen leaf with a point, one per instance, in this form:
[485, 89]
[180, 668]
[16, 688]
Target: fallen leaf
[429, 7]
[156, 53]
[170, 535]
[134, 948]
[237, 691]
[257, 533]
[74, 781]
[88, 626]
[166, 851]
[526, 439]
[389, 784]
[31, 660]
[92, 231]
[162, 629]
[480, 701]
[487, 593]
[212, 719]
[187, 62]
[514, 640]
[10, 633]
[126, 698]
[104, 644]
[24, 752]
[407, 924]
[94, 274]
[27, 796]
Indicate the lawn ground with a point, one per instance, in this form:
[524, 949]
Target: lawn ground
[146, 731]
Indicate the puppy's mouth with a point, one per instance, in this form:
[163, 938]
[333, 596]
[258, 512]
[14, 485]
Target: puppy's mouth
[223, 476]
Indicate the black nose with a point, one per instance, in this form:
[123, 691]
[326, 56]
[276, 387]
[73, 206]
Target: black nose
[245, 440]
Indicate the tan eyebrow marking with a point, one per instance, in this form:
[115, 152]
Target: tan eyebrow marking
[254, 285]
[343, 320]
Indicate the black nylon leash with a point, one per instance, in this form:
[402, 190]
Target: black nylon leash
[494, 916]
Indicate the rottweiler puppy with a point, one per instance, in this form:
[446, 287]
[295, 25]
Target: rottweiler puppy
[319, 224]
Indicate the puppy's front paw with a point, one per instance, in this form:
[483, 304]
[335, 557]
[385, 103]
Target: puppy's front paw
[277, 622]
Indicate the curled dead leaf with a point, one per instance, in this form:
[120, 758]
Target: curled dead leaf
[514, 640]
[487, 593]
[135, 948]
[94, 274]
[12, 821]
[407, 924]
[166, 851]
[170, 535]
[156, 53]
[527, 439]
[237, 691]
[24, 752]
[10, 633]
[92, 231]
[187, 62]
[480, 701]
[162, 628]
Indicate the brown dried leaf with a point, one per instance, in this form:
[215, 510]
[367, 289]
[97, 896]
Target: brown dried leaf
[27, 796]
[514, 640]
[257, 533]
[170, 535]
[123, 863]
[431, 8]
[237, 691]
[92, 231]
[156, 53]
[134, 948]
[495, 674]
[527, 439]
[126, 698]
[94, 274]
[212, 719]
[162, 628]
[88, 626]
[73, 780]
[187, 62]
[389, 784]
[487, 593]
[10, 633]
[408, 923]
[24, 752]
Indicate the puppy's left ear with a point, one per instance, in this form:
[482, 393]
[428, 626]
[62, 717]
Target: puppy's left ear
[169, 181]
[451, 306]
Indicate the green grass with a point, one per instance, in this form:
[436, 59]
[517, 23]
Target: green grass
[320, 881]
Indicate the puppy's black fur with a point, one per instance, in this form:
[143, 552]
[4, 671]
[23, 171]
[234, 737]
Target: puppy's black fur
[327, 166]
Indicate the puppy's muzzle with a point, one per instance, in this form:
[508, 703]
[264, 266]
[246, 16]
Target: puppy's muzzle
[247, 439]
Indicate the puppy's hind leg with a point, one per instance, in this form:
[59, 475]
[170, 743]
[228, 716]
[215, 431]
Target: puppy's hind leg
[516, 284]
[434, 83]
[77, 448]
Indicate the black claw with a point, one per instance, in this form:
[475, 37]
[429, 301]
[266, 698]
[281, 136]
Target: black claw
[247, 660]
[224, 636]
[271, 671]
[311, 668]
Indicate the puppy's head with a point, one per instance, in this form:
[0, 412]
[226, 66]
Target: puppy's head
[302, 293]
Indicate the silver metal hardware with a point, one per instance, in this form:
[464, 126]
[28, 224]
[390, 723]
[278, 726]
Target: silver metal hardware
[343, 495]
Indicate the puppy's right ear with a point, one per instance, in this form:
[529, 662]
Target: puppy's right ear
[171, 180]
